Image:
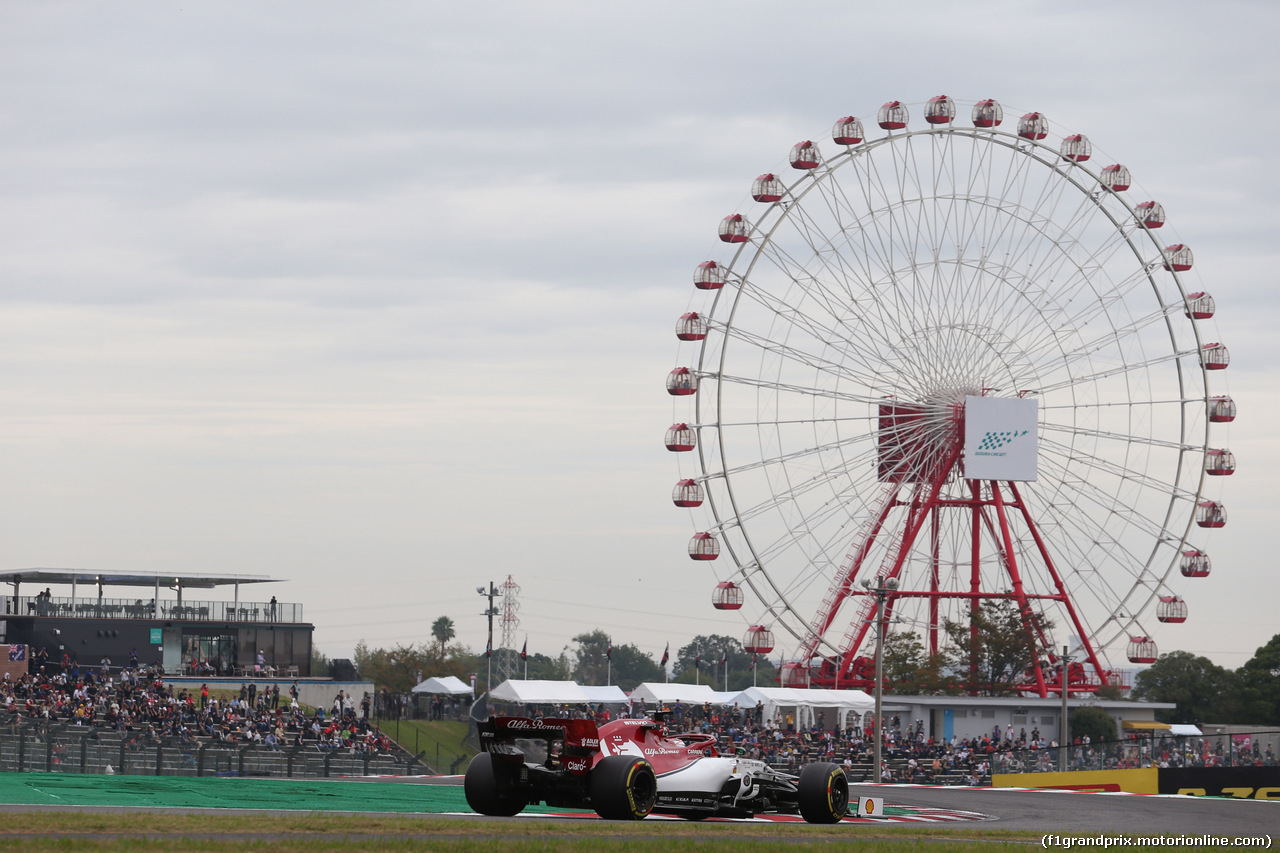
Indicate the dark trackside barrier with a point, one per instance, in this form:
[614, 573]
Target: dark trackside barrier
[1253, 783]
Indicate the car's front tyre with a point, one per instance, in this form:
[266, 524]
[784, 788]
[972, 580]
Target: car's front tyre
[484, 789]
[623, 787]
[823, 793]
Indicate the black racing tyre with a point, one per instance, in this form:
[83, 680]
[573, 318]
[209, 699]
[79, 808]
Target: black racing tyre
[623, 787]
[824, 793]
[484, 791]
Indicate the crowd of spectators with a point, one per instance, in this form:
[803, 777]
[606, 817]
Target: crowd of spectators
[908, 755]
[145, 710]
[911, 756]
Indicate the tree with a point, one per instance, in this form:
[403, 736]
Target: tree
[319, 663]
[398, 669]
[628, 667]
[442, 630]
[1259, 683]
[545, 668]
[1203, 691]
[1093, 722]
[699, 662]
[910, 670]
[998, 647]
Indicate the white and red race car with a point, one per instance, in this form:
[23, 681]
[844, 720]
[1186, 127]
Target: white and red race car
[628, 768]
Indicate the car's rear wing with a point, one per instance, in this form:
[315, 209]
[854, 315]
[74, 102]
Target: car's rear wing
[576, 743]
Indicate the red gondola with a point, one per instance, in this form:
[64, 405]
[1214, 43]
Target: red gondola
[767, 188]
[1222, 410]
[691, 327]
[1116, 178]
[987, 113]
[1214, 357]
[1142, 650]
[1195, 564]
[733, 229]
[1171, 609]
[681, 382]
[1151, 214]
[848, 131]
[1178, 257]
[893, 116]
[680, 438]
[940, 110]
[687, 493]
[804, 155]
[1076, 148]
[758, 640]
[1200, 306]
[1211, 514]
[727, 596]
[704, 546]
[708, 275]
[1219, 463]
[1033, 126]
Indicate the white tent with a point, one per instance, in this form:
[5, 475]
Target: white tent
[690, 694]
[807, 703]
[448, 684]
[541, 693]
[610, 694]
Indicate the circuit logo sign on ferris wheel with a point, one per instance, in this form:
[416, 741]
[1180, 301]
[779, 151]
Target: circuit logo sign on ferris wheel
[1000, 438]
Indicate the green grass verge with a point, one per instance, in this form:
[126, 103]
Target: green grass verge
[441, 741]
[157, 831]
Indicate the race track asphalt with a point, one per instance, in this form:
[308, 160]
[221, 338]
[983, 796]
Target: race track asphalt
[1076, 813]
[1061, 812]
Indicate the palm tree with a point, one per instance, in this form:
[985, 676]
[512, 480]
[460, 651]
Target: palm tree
[442, 630]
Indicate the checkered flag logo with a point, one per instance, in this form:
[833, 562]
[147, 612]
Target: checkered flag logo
[997, 440]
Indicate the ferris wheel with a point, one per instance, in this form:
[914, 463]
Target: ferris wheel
[964, 359]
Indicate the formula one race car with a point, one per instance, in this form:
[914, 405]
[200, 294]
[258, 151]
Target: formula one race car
[626, 769]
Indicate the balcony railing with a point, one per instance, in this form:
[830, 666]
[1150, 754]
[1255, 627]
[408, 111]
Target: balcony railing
[135, 608]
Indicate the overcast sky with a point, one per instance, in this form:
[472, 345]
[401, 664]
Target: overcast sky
[378, 298]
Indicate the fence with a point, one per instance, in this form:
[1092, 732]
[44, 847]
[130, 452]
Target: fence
[1257, 748]
[67, 748]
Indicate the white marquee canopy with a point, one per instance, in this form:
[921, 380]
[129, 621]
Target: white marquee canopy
[689, 694]
[807, 703]
[448, 684]
[556, 693]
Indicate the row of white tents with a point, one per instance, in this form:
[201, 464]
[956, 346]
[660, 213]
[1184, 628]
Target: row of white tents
[805, 705]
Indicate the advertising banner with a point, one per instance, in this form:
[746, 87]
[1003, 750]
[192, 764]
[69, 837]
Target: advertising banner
[1250, 783]
[1001, 440]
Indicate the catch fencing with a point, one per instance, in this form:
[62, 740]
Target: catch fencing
[34, 746]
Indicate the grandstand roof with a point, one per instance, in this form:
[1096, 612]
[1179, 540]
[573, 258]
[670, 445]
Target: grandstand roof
[147, 579]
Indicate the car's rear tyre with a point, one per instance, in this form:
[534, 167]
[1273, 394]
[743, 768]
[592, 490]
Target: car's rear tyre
[484, 790]
[623, 787]
[823, 793]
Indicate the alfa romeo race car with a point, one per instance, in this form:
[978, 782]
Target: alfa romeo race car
[625, 769]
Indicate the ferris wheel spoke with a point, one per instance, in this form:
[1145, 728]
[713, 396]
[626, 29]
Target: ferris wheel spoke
[1128, 439]
[795, 316]
[808, 452]
[1090, 500]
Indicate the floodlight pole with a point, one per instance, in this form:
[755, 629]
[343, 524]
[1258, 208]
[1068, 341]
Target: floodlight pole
[1062, 729]
[881, 591]
[490, 611]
